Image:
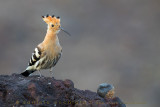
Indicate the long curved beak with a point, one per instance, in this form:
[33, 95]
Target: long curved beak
[65, 31]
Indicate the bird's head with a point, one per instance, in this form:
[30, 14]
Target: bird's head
[52, 22]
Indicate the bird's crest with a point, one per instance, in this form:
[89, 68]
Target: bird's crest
[51, 19]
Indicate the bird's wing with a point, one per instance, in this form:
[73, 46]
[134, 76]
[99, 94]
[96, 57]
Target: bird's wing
[35, 59]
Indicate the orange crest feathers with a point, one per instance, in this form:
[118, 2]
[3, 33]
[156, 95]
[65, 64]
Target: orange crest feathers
[51, 19]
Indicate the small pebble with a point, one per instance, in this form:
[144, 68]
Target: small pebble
[103, 89]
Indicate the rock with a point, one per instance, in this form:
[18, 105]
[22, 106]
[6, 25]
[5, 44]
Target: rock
[33, 91]
[104, 88]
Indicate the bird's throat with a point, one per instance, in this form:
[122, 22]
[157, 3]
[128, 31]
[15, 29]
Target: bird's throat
[51, 37]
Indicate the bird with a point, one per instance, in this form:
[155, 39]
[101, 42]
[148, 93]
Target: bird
[49, 51]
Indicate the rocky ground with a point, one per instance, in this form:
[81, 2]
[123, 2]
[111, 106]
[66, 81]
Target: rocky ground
[33, 91]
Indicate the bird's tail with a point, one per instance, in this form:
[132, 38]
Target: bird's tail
[26, 73]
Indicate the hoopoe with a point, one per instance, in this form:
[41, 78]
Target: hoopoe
[47, 53]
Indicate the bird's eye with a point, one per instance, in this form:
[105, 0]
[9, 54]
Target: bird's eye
[52, 25]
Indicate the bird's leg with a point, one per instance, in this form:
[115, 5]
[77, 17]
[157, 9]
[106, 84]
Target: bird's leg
[51, 71]
[39, 73]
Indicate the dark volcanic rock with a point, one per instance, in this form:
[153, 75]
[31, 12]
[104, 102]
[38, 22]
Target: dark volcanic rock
[33, 91]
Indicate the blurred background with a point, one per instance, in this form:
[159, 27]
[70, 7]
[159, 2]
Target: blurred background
[113, 41]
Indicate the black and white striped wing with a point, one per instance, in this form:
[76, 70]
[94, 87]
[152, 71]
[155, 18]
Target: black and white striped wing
[36, 55]
[34, 61]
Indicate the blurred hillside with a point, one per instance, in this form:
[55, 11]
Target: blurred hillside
[113, 41]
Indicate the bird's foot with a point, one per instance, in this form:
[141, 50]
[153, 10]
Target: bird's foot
[40, 75]
[52, 75]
